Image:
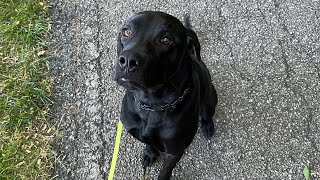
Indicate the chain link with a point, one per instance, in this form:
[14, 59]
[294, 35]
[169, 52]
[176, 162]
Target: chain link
[162, 107]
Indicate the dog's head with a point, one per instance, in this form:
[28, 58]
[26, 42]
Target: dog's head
[151, 48]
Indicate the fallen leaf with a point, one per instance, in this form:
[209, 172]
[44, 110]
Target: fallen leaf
[43, 153]
[49, 130]
[20, 163]
[44, 127]
[39, 162]
[41, 53]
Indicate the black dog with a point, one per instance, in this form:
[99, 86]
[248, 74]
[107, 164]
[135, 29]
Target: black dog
[168, 86]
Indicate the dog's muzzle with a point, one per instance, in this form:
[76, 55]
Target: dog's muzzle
[128, 63]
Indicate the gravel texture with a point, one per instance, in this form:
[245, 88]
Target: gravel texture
[264, 57]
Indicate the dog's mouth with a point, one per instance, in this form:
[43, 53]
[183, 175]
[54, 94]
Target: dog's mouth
[124, 79]
[139, 79]
[128, 82]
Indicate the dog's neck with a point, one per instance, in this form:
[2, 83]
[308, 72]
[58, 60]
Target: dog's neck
[170, 94]
[178, 80]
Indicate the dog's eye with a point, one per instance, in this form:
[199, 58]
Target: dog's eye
[166, 40]
[126, 32]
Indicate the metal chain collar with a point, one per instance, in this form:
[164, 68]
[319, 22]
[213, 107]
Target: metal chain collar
[162, 107]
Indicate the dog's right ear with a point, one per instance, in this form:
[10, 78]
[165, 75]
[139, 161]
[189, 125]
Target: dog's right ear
[119, 44]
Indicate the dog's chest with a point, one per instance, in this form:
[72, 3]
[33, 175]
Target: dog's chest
[151, 124]
[149, 128]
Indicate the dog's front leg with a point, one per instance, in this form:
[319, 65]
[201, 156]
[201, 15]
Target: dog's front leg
[169, 163]
[149, 155]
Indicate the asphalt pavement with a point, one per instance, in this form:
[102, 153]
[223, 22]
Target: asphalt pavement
[264, 58]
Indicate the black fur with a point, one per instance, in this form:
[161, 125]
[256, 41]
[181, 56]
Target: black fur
[159, 74]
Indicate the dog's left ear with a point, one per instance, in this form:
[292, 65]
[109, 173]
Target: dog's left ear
[190, 46]
[119, 44]
[193, 44]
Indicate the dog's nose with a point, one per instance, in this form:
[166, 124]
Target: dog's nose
[128, 63]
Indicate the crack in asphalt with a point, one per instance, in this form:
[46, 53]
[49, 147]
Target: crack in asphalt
[222, 22]
[98, 66]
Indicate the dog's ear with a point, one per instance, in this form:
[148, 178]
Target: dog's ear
[193, 44]
[119, 44]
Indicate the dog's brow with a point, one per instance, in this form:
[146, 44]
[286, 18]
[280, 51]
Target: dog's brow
[168, 25]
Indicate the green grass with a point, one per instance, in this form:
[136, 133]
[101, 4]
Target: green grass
[25, 133]
[306, 172]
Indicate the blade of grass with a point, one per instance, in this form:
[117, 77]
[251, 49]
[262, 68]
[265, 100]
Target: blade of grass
[306, 172]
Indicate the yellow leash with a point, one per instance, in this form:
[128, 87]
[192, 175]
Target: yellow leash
[115, 151]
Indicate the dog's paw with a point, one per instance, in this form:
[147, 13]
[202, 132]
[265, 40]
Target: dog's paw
[207, 128]
[149, 155]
